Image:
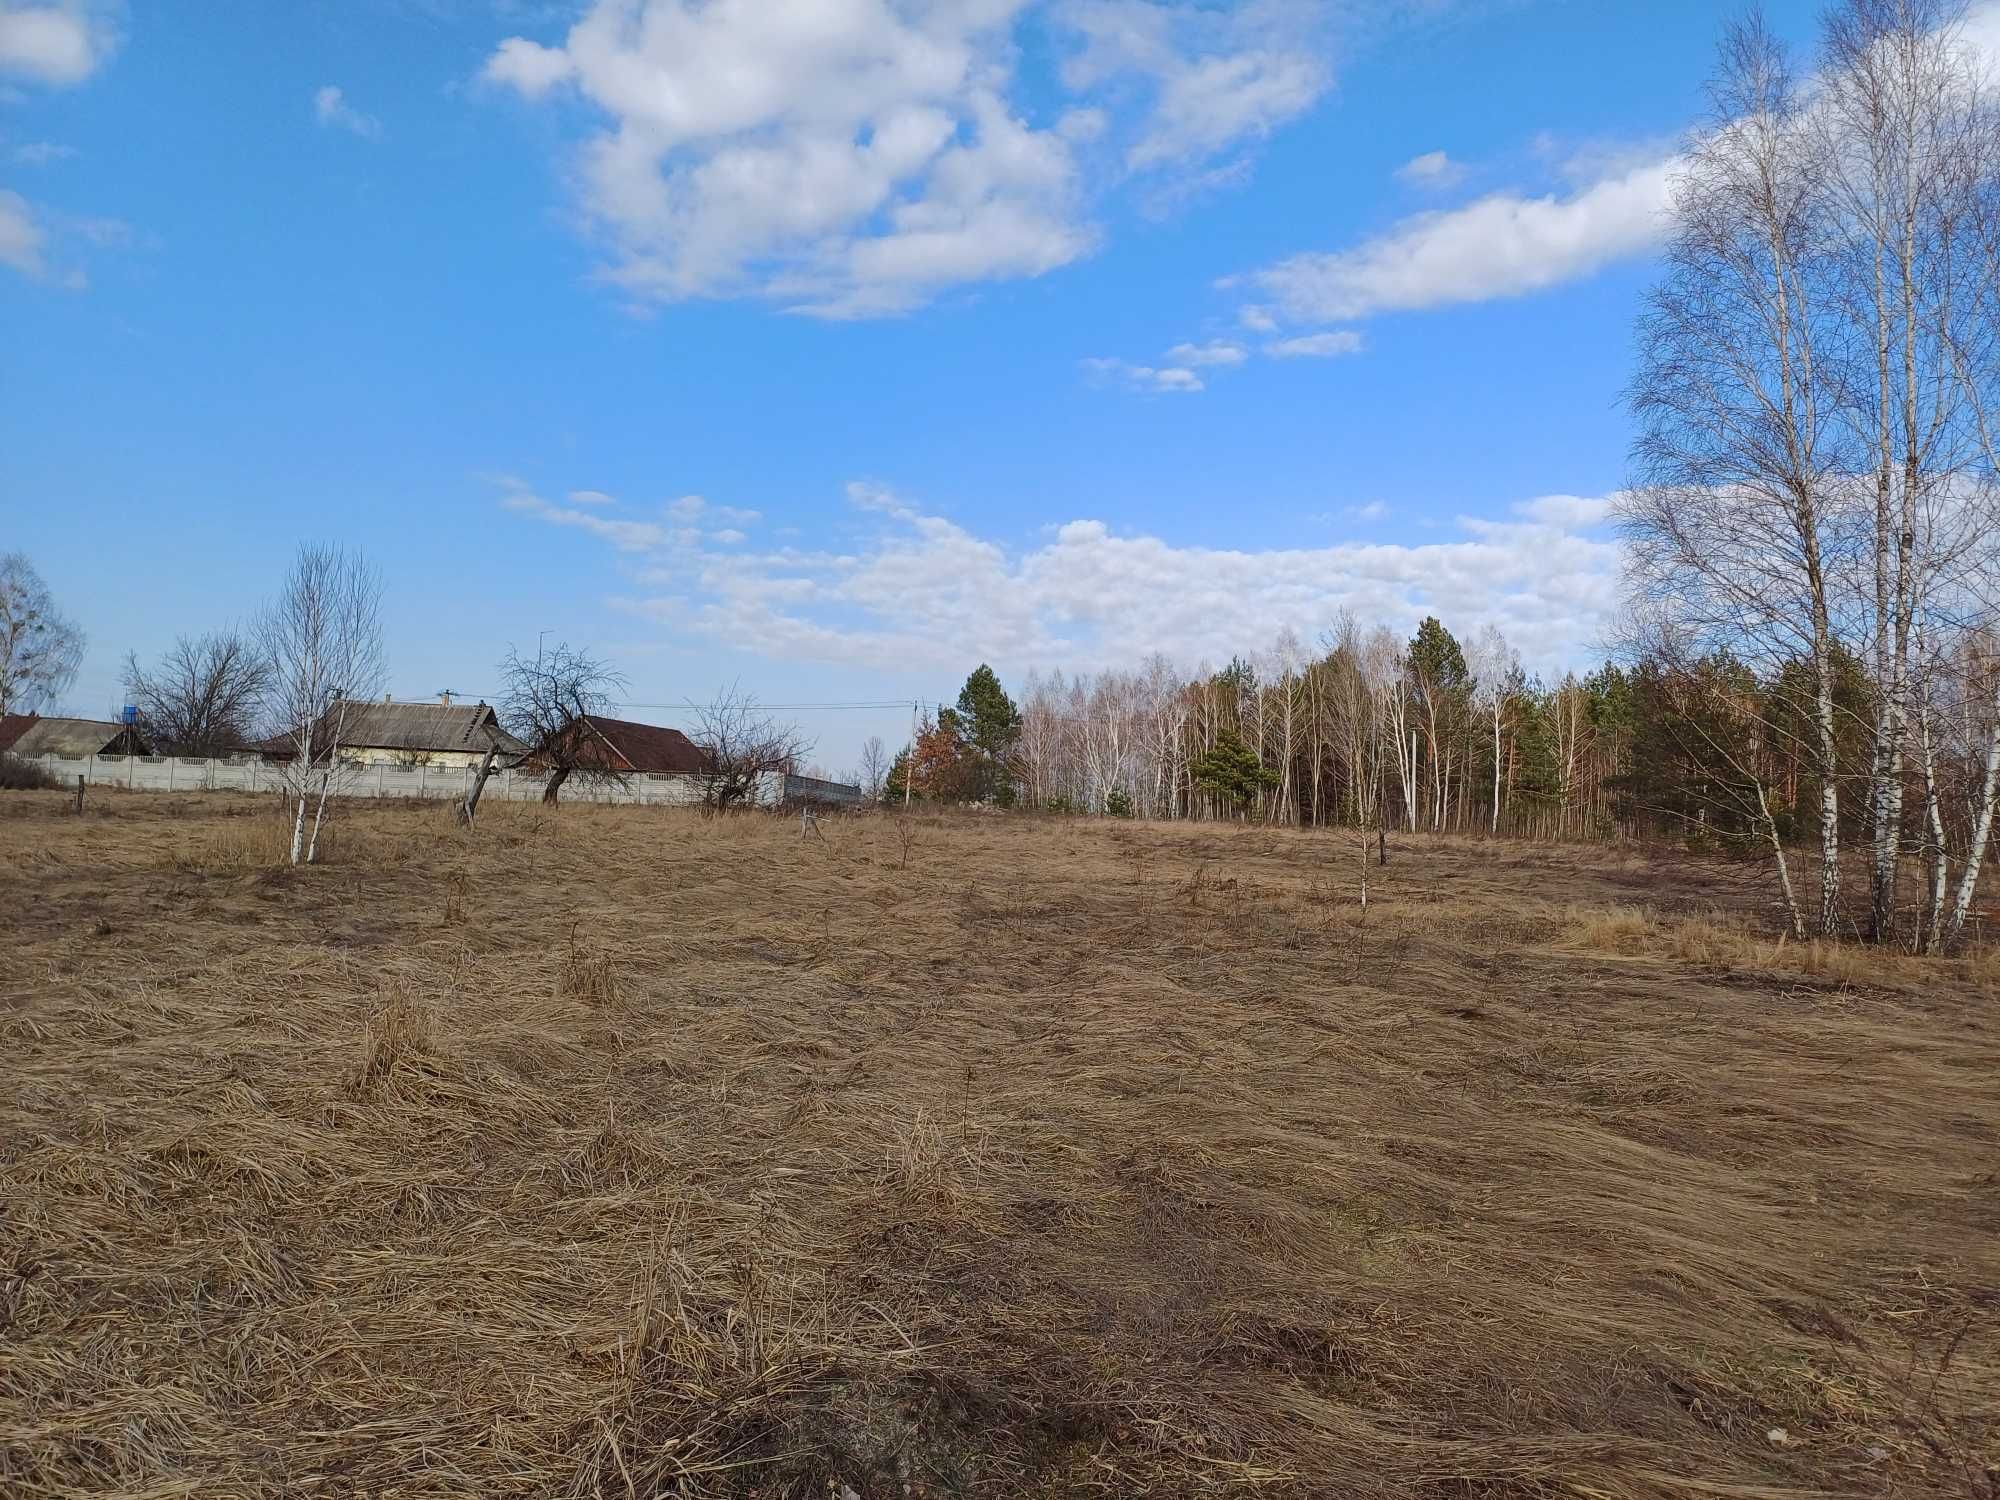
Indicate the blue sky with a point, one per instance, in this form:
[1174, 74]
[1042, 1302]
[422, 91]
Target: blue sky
[832, 346]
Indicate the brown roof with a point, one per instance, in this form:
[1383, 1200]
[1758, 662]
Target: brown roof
[647, 747]
[365, 724]
[40, 734]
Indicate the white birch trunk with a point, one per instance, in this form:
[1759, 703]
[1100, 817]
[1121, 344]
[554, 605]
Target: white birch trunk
[1982, 829]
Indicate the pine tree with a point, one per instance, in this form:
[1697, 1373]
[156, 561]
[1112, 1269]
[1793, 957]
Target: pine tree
[1232, 772]
[989, 724]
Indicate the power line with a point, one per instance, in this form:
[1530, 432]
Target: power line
[687, 706]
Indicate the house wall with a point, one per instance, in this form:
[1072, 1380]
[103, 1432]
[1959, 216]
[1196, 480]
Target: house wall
[375, 755]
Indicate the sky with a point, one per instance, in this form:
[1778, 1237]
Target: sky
[833, 347]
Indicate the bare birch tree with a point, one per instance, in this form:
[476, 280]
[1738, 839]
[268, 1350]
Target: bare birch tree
[1901, 136]
[322, 636]
[1737, 524]
[1495, 667]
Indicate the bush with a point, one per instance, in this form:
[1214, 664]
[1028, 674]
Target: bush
[17, 775]
[1061, 805]
[1118, 802]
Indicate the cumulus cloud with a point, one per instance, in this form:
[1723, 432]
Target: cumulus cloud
[1170, 379]
[921, 588]
[847, 161]
[1501, 245]
[587, 497]
[331, 109]
[1317, 345]
[1433, 169]
[59, 44]
[860, 159]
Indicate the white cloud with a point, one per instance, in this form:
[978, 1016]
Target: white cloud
[528, 66]
[1171, 379]
[1256, 319]
[846, 160]
[330, 108]
[692, 508]
[1218, 76]
[626, 536]
[860, 158]
[1317, 345]
[1499, 246]
[922, 589]
[1571, 512]
[1374, 510]
[587, 497]
[23, 242]
[1214, 352]
[57, 44]
[1433, 169]
[41, 153]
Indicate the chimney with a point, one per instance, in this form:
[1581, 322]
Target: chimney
[387, 699]
[445, 698]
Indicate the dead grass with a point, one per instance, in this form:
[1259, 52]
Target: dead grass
[623, 1153]
[1740, 942]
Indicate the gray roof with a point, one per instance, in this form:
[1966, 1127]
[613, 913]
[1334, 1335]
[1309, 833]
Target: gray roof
[46, 736]
[421, 726]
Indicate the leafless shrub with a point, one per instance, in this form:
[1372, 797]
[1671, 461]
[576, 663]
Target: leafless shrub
[745, 747]
[17, 775]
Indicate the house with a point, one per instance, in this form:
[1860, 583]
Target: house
[440, 733]
[623, 747]
[31, 736]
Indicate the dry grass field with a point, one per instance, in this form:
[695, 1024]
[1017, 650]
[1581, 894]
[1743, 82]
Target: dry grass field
[614, 1152]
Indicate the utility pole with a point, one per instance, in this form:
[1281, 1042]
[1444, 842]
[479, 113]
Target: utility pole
[910, 764]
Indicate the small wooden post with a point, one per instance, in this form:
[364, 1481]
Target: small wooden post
[79, 794]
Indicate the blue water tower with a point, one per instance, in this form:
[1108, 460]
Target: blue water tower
[129, 714]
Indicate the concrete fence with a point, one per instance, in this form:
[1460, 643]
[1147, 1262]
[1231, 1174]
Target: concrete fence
[179, 773]
[249, 773]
